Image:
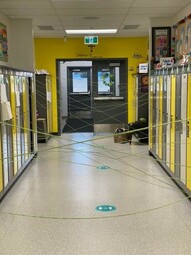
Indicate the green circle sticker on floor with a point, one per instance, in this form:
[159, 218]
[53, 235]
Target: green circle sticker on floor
[103, 167]
[105, 208]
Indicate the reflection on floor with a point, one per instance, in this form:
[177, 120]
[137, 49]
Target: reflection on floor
[56, 205]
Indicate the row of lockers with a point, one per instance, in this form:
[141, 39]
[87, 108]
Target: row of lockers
[17, 125]
[170, 122]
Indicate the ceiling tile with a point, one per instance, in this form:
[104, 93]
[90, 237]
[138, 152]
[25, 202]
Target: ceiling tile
[161, 3]
[27, 4]
[93, 4]
[152, 12]
[94, 12]
[31, 12]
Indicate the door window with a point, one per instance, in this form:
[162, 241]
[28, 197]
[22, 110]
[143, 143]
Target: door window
[79, 82]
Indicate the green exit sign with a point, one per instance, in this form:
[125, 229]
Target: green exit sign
[90, 39]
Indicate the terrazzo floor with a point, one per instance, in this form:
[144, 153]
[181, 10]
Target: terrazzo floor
[52, 207]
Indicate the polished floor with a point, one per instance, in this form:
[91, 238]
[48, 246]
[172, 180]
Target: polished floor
[52, 207]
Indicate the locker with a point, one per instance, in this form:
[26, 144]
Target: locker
[14, 123]
[18, 143]
[184, 86]
[26, 117]
[151, 113]
[154, 116]
[19, 114]
[172, 122]
[160, 111]
[178, 126]
[1, 169]
[168, 118]
[157, 113]
[164, 117]
[188, 173]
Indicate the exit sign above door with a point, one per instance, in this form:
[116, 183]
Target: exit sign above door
[90, 39]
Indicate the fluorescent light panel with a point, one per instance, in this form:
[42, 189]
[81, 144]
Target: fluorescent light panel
[92, 31]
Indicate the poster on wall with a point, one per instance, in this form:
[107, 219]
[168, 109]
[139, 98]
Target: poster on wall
[3, 43]
[183, 37]
[161, 43]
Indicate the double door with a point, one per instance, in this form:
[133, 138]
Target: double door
[99, 92]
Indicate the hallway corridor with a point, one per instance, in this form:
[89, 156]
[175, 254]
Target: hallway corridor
[51, 209]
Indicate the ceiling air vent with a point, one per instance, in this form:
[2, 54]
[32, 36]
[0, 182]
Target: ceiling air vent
[45, 27]
[91, 17]
[131, 27]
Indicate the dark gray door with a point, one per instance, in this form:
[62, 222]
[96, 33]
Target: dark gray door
[109, 94]
[79, 92]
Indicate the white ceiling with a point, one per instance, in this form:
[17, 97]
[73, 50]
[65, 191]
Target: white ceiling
[86, 14]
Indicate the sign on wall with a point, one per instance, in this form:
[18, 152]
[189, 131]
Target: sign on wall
[3, 43]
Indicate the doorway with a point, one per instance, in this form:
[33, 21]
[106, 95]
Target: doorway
[95, 90]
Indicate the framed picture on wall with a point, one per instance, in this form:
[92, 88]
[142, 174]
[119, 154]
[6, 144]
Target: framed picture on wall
[161, 43]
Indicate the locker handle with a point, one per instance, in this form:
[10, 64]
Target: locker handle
[187, 127]
[170, 121]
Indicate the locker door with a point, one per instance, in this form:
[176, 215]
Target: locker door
[160, 116]
[1, 169]
[4, 133]
[189, 134]
[22, 113]
[49, 104]
[168, 119]
[164, 118]
[151, 113]
[157, 114]
[26, 117]
[178, 125]
[136, 97]
[183, 126]
[154, 116]
[14, 124]
[172, 122]
[18, 120]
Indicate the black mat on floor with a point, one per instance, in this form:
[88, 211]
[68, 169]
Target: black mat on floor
[78, 125]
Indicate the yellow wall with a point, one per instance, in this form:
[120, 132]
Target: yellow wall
[47, 50]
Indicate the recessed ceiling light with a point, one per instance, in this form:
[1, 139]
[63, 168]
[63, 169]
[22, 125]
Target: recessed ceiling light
[91, 31]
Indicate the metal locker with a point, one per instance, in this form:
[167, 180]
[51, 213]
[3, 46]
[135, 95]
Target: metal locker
[4, 133]
[151, 113]
[154, 116]
[188, 173]
[160, 110]
[157, 114]
[26, 117]
[168, 120]
[177, 125]
[164, 118]
[18, 121]
[14, 123]
[172, 122]
[1, 168]
[184, 86]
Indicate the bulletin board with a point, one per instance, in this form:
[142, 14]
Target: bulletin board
[3, 43]
[182, 31]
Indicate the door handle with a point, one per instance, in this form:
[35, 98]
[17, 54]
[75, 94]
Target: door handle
[187, 129]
